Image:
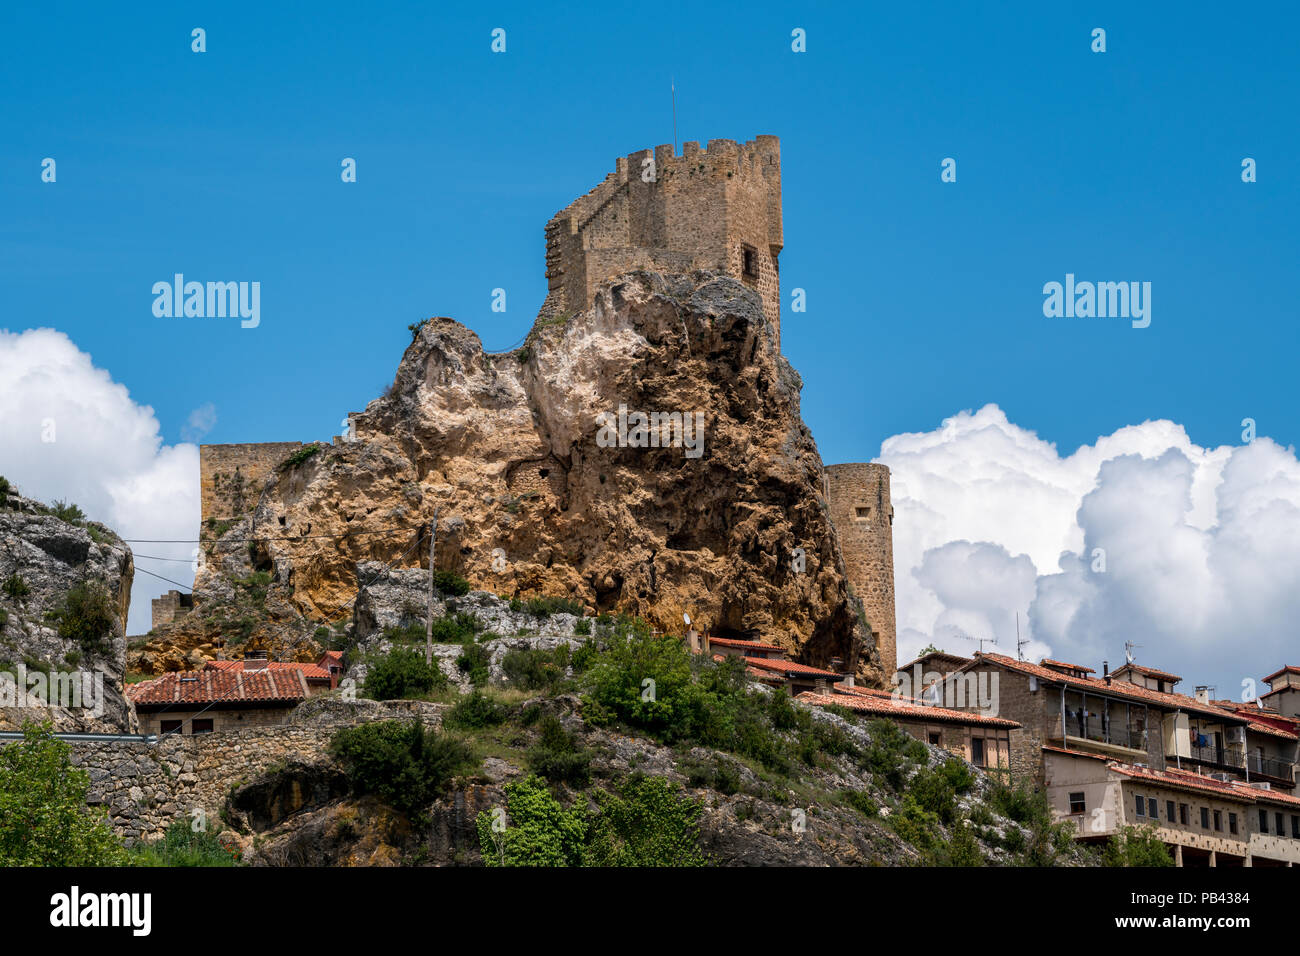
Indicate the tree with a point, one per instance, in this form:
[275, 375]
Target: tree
[1136, 846]
[44, 820]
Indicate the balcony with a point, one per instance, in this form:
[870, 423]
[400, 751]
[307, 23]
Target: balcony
[1283, 770]
[1102, 737]
[1222, 758]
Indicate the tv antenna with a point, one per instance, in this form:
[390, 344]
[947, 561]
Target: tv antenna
[1128, 651]
[1020, 645]
[980, 640]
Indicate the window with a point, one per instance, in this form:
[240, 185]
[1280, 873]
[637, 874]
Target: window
[1263, 821]
[1182, 814]
[1295, 827]
[1169, 810]
[1218, 820]
[170, 726]
[1232, 823]
[1280, 830]
[1141, 805]
[1153, 809]
[203, 726]
[977, 751]
[749, 261]
[1205, 818]
[862, 514]
[1077, 803]
[934, 738]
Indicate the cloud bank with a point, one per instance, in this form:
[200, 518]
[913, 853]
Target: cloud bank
[69, 432]
[1192, 553]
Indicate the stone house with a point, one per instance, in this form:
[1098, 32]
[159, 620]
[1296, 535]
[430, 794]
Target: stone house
[226, 695]
[1203, 820]
[982, 740]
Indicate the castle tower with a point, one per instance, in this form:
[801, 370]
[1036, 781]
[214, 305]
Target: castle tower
[858, 496]
[717, 208]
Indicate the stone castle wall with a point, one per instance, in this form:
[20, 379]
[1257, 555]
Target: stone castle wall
[858, 496]
[717, 208]
[231, 476]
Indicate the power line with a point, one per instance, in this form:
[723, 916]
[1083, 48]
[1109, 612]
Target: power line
[300, 537]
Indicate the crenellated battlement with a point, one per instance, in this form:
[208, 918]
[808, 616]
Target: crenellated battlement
[715, 208]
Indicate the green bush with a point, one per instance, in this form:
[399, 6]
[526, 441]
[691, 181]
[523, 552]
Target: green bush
[557, 755]
[860, 801]
[16, 588]
[475, 711]
[449, 583]
[86, 615]
[533, 668]
[182, 846]
[66, 511]
[582, 627]
[473, 662]
[646, 822]
[962, 849]
[1136, 846]
[1027, 805]
[535, 830]
[937, 789]
[44, 820]
[300, 456]
[892, 753]
[400, 761]
[402, 673]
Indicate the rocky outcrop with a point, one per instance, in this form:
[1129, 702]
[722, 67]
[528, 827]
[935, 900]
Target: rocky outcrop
[43, 559]
[545, 485]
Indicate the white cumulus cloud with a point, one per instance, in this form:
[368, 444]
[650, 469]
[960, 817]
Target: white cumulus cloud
[69, 432]
[1143, 536]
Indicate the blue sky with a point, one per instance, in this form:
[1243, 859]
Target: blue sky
[924, 298]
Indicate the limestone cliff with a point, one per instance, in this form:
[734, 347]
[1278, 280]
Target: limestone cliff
[541, 489]
[65, 586]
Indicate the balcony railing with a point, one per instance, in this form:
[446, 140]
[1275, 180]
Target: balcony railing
[1114, 736]
[1270, 766]
[1230, 758]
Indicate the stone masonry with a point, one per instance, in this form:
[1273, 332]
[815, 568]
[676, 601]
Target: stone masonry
[718, 208]
[231, 476]
[858, 496]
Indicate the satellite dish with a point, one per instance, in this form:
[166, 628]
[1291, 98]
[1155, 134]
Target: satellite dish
[687, 619]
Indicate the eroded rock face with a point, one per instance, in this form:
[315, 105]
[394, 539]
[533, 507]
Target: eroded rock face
[42, 558]
[535, 498]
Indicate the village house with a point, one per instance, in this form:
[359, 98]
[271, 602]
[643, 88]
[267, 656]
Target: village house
[1203, 820]
[982, 740]
[229, 695]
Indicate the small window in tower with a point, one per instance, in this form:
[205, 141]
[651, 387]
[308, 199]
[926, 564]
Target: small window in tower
[862, 514]
[749, 262]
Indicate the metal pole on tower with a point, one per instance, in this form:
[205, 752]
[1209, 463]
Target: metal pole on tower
[672, 86]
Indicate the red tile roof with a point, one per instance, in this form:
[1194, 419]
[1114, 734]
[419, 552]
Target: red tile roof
[309, 671]
[1288, 669]
[1149, 671]
[1077, 753]
[887, 707]
[752, 645]
[1049, 663]
[1186, 780]
[218, 685]
[1116, 688]
[790, 667]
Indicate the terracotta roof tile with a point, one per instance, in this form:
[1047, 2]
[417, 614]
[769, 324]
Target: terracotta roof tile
[887, 707]
[1117, 688]
[752, 645]
[218, 685]
[309, 671]
[790, 667]
[1049, 664]
[1288, 669]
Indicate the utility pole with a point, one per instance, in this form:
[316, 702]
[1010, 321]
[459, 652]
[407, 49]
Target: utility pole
[428, 621]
